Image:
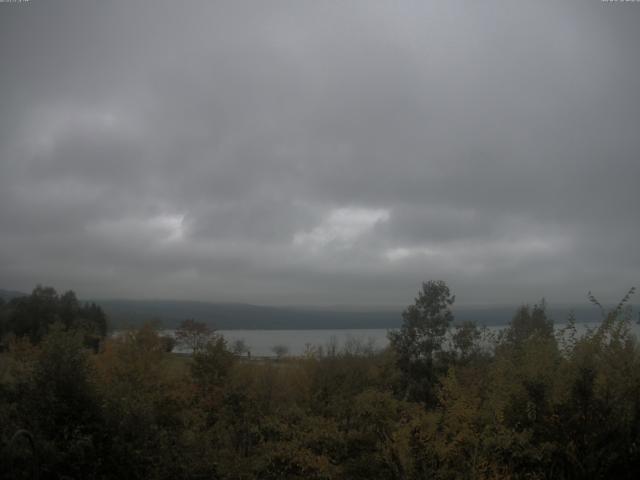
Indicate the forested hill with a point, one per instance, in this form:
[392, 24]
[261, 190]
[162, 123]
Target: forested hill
[9, 294]
[227, 316]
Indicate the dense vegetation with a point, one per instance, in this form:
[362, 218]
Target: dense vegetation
[443, 401]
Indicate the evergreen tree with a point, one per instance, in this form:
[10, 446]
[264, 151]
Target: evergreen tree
[418, 344]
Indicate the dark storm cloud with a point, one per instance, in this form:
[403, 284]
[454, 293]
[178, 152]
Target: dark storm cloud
[320, 152]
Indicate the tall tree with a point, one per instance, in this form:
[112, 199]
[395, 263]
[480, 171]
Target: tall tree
[32, 315]
[193, 335]
[418, 343]
[528, 322]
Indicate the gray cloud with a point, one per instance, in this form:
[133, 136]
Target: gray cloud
[320, 152]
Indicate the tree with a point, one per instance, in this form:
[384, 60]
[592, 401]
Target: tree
[280, 351]
[466, 341]
[143, 404]
[4, 314]
[240, 347]
[68, 308]
[92, 320]
[419, 341]
[168, 342]
[193, 335]
[62, 404]
[32, 315]
[211, 363]
[528, 322]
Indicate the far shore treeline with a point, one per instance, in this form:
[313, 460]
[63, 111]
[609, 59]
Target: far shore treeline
[241, 316]
[445, 400]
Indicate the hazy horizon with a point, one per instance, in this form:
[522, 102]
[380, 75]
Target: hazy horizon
[321, 153]
[563, 307]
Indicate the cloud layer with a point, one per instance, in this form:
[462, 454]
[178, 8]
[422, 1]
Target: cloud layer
[308, 152]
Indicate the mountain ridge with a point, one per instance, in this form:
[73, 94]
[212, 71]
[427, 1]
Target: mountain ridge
[131, 313]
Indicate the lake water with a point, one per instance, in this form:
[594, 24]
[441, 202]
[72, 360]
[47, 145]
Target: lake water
[262, 342]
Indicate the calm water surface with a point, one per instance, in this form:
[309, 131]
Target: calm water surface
[261, 342]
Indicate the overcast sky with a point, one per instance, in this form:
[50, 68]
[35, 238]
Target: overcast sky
[320, 152]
